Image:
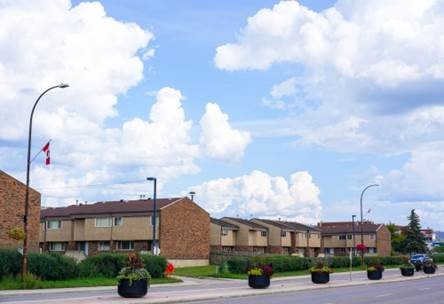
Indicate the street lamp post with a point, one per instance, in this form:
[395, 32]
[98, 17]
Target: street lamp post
[353, 233]
[154, 247]
[28, 166]
[362, 221]
[308, 243]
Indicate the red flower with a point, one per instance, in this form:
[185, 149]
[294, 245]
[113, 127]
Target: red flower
[169, 269]
[361, 247]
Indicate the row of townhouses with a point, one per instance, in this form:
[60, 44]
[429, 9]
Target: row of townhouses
[185, 232]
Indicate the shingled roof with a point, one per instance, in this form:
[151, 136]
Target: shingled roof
[122, 207]
[347, 227]
[294, 226]
[223, 223]
[246, 223]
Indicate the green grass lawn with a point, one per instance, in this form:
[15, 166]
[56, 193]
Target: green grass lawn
[15, 283]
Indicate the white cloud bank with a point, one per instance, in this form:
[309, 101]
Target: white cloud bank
[45, 42]
[260, 195]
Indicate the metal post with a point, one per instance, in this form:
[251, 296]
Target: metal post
[28, 166]
[362, 221]
[154, 247]
[353, 234]
[308, 243]
[192, 193]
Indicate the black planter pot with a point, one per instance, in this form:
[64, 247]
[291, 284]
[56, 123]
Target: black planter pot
[137, 289]
[407, 272]
[429, 269]
[374, 274]
[262, 281]
[320, 277]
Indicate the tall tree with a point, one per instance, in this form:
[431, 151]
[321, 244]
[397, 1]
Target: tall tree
[398, 240]
[415, 240]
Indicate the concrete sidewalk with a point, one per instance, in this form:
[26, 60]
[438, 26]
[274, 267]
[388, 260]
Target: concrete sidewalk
[202, 289]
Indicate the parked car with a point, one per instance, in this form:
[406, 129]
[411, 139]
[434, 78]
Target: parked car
[419, 258]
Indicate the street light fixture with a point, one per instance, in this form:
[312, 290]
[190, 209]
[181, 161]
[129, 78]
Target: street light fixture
[28, 166]
[154, 247]
[362, 221]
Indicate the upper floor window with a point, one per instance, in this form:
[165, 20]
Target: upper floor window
[283, 233]
[125, 245]
[372, 236]
[118, 221]
[54, 224]
[104, 221]
[342, 237]
[224, 232]
[264, 233]
[56, 246]
[151, 220]
[349, 236]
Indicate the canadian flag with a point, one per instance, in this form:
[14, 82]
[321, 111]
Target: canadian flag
[45, 149]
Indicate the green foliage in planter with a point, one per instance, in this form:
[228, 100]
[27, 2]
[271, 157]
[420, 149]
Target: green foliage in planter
[134, 271]
[52, 266]
[10, 262]
[105, 265]
[321, 266]
[155, 265]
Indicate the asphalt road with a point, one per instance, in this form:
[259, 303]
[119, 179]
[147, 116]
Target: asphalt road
[426, 291]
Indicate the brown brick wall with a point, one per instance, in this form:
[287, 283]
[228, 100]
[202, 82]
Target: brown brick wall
[184, 231]
[274, 249]
[12, 210]
[383, 242]
[243, 248]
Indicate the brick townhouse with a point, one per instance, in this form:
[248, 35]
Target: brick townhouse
[223, 235]
[291, 237]
[124, 226]
[12, 211]
[337, 238]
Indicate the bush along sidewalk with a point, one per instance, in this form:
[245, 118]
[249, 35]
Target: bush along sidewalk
[48, 268]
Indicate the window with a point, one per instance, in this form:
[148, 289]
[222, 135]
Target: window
[349, 236]
[54, 224]
[118, 221]
[104, 222]
[342, 237]
[125, 245]
[264, 233]
[57, 246]
[227, 249]
[283, 233]
[304, 236]
[157, 220]
[372, 250]
[104, 246]
[372, 236]
[224, 232]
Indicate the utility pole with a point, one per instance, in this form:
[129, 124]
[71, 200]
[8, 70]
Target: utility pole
[154, 246]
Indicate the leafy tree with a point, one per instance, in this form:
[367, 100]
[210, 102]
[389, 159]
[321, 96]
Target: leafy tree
[414, 241]
[398, 240]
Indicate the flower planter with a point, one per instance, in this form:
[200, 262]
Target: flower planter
[374, 274]
[262, 281]
[429, 269]
[407, 272]
[320, 277]
[137, 289]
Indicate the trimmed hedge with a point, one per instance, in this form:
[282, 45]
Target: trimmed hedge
[294, 263]
[10, 262]
[52, 266]
[438, 258]
[109, 264]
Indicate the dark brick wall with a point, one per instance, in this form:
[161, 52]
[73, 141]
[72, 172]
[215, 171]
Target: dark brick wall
[184, 231]
[383, 242]
[12, 210]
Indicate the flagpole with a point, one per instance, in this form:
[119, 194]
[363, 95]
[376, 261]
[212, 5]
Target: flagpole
[38, 153]
[28, 166]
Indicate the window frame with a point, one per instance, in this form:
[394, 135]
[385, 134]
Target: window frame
[51, 246]
[263, 233]
[111, 221]
[124, 249]
[120, 221]
[50, 228]
[100, 248]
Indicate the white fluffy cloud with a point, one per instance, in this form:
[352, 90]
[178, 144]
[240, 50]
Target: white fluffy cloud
[261, 195]
[45, 42]
[218, 139]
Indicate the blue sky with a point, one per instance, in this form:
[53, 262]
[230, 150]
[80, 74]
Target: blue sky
[323, 98]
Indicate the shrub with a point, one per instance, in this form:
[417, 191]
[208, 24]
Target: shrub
[102, 265]
[438, 258]
[155, 265]
[30, 281]
[10, 262]
[52, 266]
[238, 264]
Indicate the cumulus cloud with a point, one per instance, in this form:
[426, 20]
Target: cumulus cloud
[218, 139]
[387, 54]
[45, 42]
[260, 195]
